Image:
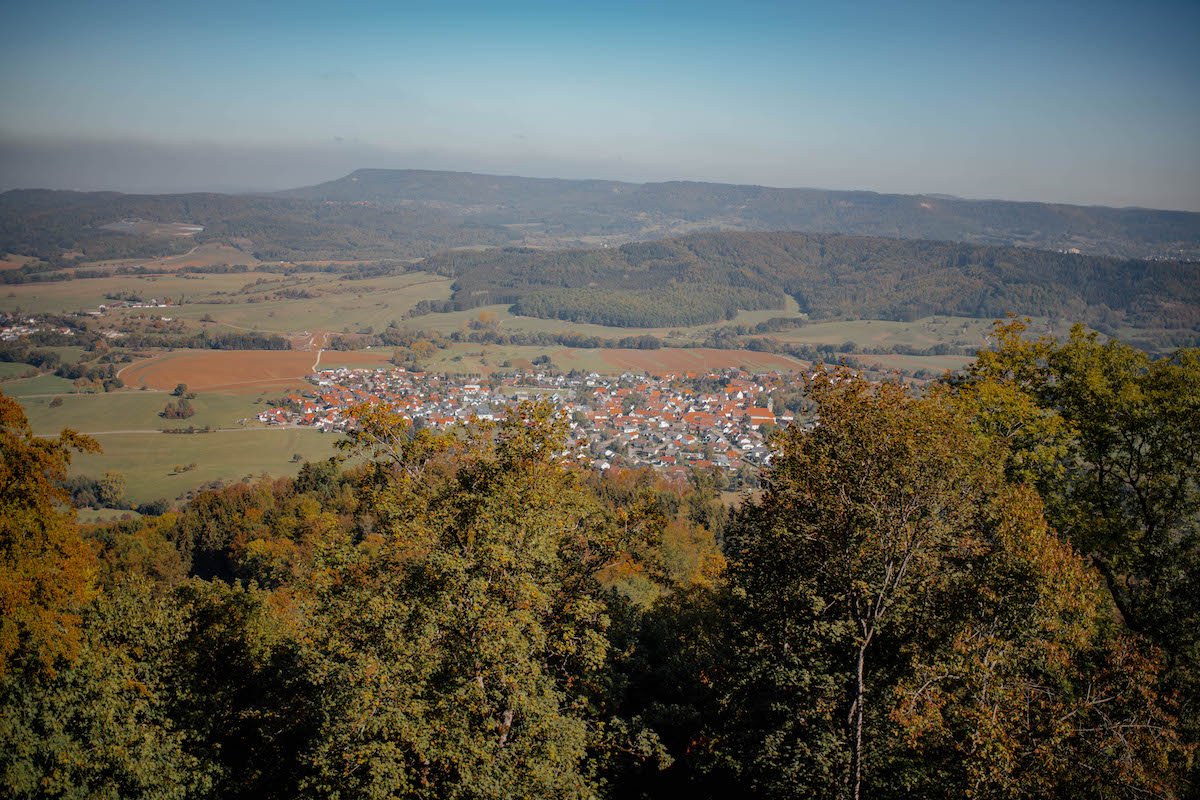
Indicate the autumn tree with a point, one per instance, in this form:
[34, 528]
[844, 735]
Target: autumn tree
[112, 488]
[45, 567]
[889, 562]
[1111, 439]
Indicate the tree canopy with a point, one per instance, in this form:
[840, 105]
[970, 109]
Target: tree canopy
[986, 589]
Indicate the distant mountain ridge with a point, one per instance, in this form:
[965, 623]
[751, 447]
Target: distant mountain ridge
[582, 208]
[405, 214]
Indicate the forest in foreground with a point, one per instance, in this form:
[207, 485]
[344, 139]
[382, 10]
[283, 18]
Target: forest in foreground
[989, 589]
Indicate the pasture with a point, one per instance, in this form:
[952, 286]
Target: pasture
[42, 384]
[467, 359]
[85, 294]
[510, 323]
[10, 369]
[872, 333]
[935, 364]
[204, 255]
[148, 460]
[336, 305]
[135, 411]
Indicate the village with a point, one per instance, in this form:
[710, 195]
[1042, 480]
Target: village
[13, 328]
[717, 420]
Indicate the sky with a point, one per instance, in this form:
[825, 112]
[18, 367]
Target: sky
[1079, 102]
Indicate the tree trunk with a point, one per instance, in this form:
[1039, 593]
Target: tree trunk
[856, 723]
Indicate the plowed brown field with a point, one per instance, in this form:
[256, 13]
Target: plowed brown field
[232, 370]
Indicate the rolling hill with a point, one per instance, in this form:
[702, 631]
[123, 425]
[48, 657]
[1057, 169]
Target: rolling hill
[405, 214]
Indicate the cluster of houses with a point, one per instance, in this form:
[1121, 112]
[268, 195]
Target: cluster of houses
[115, 305]
[19, 327]
[671, 422]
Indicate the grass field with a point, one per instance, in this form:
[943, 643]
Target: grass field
[935, 364]
[467, 359]
[202, 256]
[342, 305]
[922, 333]
[10, 261]
[9, 369]
[136, 411]
[456, 320]
[148, 459]
[87, 293]
[43, 384]
[69, 355]
[93, 516]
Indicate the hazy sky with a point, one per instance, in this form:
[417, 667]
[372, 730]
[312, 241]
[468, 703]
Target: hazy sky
[1089, 102]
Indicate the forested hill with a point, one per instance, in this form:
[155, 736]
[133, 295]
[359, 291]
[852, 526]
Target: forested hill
[399, 214]
[49, 224]
[828, 275]
[563, 208]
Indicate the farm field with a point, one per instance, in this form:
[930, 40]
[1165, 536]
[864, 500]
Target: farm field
[350, 306]
[135, 411]
[242, 370]
[935, 364]
[868, 333]
[87, 293]
[148, 459]
[9, 369]
[201, 256]
[43, 384]
[510, 323]
[467, 359]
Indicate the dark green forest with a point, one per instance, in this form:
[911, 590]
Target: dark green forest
[990, 589]
[828, 275]
[675, 305]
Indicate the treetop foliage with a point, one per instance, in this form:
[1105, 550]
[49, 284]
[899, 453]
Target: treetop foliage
[988, 589]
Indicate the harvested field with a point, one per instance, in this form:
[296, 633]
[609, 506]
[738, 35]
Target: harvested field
[214, 370]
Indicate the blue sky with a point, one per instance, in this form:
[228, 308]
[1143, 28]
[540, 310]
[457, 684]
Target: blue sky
[1076, 102]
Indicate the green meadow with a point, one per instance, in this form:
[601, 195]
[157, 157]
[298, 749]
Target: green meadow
[137, 411]
[148, 460]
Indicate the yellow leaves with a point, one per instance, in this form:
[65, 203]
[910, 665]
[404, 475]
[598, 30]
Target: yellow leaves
[46, 569]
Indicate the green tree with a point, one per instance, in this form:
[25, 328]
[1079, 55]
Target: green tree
[888, 562]
[100, 724]
[1111, 438]
[457, 652]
